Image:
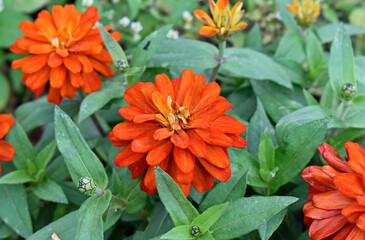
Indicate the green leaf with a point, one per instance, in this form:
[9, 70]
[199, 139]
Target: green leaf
[267, 229]
[23, 147]
[327, 32]
[247, 214]
[14, 209]
[245, 160]
[209, 217]
[89, 217]
[243, 101]
[4, 91]
[309, 97]
[253, 38]
[247, 63]
[80, 160]
[341, 62]
[113, 215]
[314, 52]
[50, 191]
[185, 53]
[16, 177]
[266, 152]
[278, 101]
[96, 100]
[291, 47]
[233, 189]
[296, 148]
[180, 232]
[64, 227]
[133, 8]
[258, 124]
[115, 50]
[28, 6]
[43, 158]
[5, 231]
[287, 17]
[180, 209]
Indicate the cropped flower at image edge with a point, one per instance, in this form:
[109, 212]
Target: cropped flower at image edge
[66, 51]
[7, 151]
[336, 207]
[180, 126]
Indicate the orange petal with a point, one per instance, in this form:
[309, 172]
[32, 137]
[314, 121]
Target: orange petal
[292, 9]
[184, 160]
[60, 17]
[145, 142]
[160, 102]
[186, 82]
[34, 63]
[356, 234]
[85, 62]
[148, 182]
[130, 130]
[72, 63]
[54, 60]
[138, 168]
[76, 79]
[180, 139]
[356, 155]
[349, 184]
[62, 52]
[92, 82]
[54, 95]
[67, 90]
[15, 49]
[136, 98]
[58, 76]
[130, 112]
[159, 153]
[316, 213]
[210, 94]
[116, 141]
[228, 124]
[194, 94]
[162, 133]
[102, 67]
[41, 48]
[141, 118]
[208, 31]
[38, 79]
[103, 56]
[221, 174]
[214, 110]
[331, 200]
[202, 181]
[333, 159]
[238, 27]
[221, 5]
[179, 176]
[197, 145]
[164, 84]
[204, 17]
[26, 43]
[214, 137]
[31, 31]
[6, 151]
[321, 229]
[45, 24]
[148, 89]
[217, 156]
[127, 157]
[237, 141]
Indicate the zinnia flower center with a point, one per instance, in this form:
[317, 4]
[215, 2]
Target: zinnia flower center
[176, 119]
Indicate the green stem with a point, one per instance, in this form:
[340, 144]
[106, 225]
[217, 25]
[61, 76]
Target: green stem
[122, 204]
[222, 47]
[98, 125]
[342, 117]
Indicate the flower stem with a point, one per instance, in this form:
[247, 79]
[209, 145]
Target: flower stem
[98, 125]
[222, 47]
[342, 117]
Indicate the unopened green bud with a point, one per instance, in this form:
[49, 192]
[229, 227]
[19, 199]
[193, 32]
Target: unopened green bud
[86, 185]
[195, 231]
[348, 91]
[121, 65]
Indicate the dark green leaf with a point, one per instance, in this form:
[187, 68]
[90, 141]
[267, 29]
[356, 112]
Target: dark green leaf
[43, 158]
[23, 147]
[267, 229]
[50, 191]
[79, 158]
[5, 231]
[180, 232]
[180, 209]
[14, 209]
[64, 227]
[266, 152]
[89, 217]
[314, 55]
[341, 62]
[247, 214]
[4, 91]
[209, 217]
[16, 177]
[253, 39]
[291, 47]
[115, 50]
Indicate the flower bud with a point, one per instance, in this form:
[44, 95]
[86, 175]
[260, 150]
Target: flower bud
[348, 91]
[121, 65]
[86, 185]
[195, 231]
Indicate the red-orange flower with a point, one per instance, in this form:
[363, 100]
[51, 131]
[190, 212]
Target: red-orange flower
[66, 51]
[336, 207]
[6, 150]
[180, 126]
[224, 21]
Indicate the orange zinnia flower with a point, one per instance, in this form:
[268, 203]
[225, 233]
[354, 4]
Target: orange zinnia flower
[224, 21]
[180, 126]
[307, 13]
[6, 150]
[336, 207]
[66, 51]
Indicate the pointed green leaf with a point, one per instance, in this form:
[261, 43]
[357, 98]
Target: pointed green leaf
[64, 227]
[14, 209]
[314, 55]
[266, 152]
[89, 217]
[115, 50]
[16, 177]
[177, 233]
[341, 62]
[80, 160]
[43, 158]
[247, 214]
[268, 228]
[50, 191]
[180, 209]
[209, 217]
[23, 147]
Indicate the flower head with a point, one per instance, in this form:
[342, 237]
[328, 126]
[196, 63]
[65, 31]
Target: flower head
[6, 150]
[307, 13]
[124, 21]
[87, 3]
[136, 27]
[173, 34]
[336, 207]
[188, 18]
[180, 126]
[65, 51]
[224, 21]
